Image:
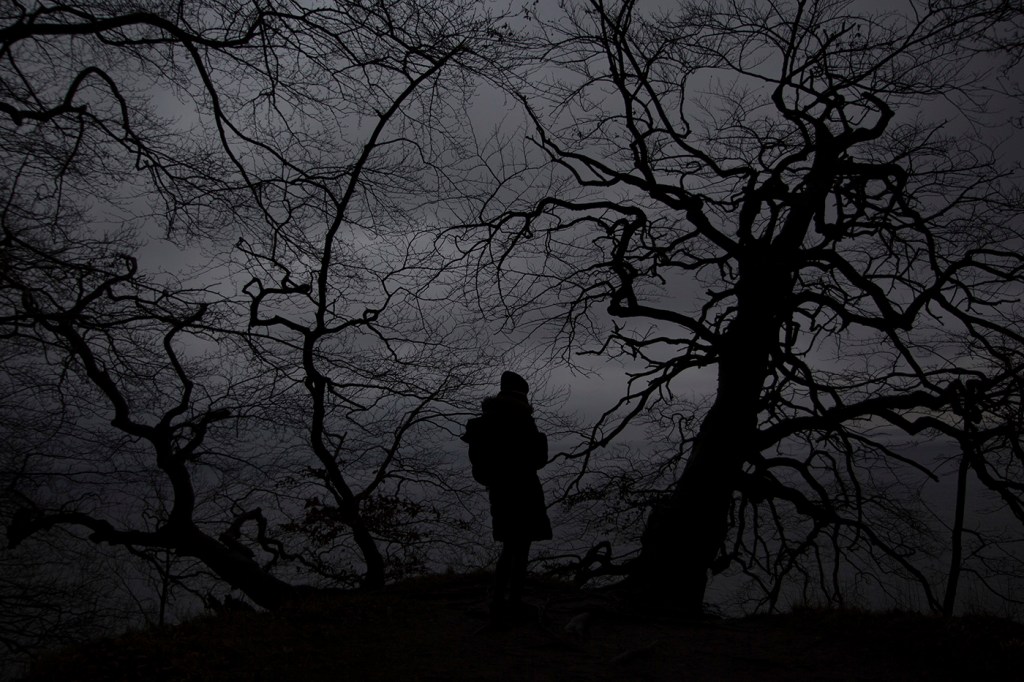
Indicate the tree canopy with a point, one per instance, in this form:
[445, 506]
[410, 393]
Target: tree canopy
[261, 258]
[818, 202]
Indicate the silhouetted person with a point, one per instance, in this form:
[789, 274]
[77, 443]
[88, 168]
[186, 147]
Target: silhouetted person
[506, 450]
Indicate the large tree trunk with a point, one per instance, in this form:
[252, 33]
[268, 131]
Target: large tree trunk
[240, 571]
[685, 532]
[231, 565]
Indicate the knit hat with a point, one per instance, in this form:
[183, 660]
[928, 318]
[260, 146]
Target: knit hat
[510, 381]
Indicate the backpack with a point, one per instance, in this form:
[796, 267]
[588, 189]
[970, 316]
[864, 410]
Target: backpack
[488, 448]
[481, 452]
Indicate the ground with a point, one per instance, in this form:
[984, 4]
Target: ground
[436, 629]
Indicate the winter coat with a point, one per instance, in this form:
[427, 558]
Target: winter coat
[506, 450]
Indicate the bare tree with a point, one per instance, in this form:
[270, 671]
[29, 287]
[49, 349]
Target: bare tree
[290, 146]
[808, 204]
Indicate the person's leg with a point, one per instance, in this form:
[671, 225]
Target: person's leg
[502, 576]
[519, 557]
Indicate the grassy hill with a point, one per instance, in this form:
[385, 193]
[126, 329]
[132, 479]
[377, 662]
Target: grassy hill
[434, 629]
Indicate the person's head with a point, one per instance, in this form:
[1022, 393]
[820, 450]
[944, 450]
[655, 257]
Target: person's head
[513, 383]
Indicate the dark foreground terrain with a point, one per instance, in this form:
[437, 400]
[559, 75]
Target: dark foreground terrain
[433, 629]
